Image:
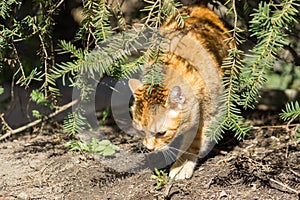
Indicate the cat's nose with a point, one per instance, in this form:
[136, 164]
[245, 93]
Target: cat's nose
[149, 146]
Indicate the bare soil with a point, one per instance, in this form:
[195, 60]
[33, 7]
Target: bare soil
[38, 165]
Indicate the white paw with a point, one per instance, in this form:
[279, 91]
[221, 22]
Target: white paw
[184, 171]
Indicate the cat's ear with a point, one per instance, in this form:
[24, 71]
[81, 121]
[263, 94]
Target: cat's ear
[176, 98]
[134, 84]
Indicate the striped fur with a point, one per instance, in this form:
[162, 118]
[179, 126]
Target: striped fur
[193, 82]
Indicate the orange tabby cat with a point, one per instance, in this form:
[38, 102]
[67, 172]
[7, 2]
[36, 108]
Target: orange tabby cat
[189, 100]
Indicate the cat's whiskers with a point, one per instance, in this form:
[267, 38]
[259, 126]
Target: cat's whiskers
[182, 151]
[169, 158]
[172, 156]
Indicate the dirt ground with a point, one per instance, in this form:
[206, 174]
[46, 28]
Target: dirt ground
[38, 165]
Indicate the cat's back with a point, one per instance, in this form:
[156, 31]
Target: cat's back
[196, 50]
[204, 30]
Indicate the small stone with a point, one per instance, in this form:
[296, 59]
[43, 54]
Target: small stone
[23, 195]
[222, 194]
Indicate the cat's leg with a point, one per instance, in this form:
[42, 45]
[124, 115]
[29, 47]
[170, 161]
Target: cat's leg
[184, 166]
[183, 169]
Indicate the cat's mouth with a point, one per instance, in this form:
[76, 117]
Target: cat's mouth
[154, 145]
[152, 149]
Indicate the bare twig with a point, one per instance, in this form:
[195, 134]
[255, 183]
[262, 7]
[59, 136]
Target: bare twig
[46, 57]
[275, 126]
[168, 189]
[295, 173]
[19, 61]
[21, 68]
[34, 123]
[285, 186]
[4, 122]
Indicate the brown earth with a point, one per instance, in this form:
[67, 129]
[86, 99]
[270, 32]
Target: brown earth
[37, 165]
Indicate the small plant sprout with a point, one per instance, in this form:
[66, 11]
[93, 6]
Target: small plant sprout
[161, 178]
[37, 114]
[103, 147]
[1, 90]
[105, 114]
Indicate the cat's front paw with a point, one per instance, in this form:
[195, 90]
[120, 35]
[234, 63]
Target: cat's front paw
[183, 171]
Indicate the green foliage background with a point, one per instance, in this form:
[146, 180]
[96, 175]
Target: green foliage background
[269, 25]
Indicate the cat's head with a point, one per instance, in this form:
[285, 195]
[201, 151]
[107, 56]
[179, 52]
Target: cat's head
[156, 114]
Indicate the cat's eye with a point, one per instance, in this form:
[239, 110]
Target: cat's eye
[160, 134]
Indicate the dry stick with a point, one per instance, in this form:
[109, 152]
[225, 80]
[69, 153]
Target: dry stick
[295, 173]
[168, 189]
[274, 126]
[285, 186]
[31, 124]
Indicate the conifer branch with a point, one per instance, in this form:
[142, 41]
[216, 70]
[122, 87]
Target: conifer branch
[6, 7]
[291, 111]
[160, 10]
[229, 116]
[267, 26]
